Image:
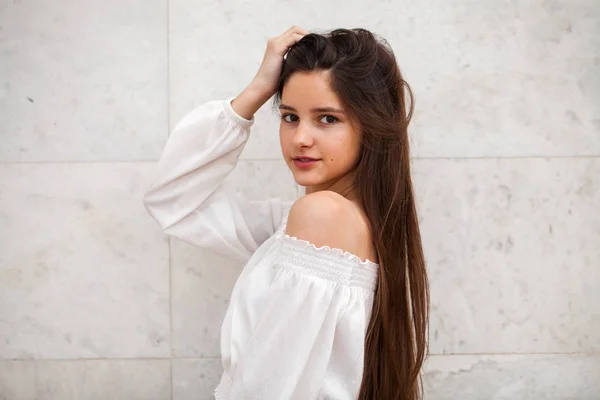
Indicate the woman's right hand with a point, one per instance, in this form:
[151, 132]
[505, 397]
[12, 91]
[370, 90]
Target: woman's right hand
[270, 69]
[264, 84]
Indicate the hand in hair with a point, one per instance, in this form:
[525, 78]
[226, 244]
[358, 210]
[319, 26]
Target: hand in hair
[264, 84]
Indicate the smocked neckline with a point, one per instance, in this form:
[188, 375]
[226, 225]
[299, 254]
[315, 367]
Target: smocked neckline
[324, 251]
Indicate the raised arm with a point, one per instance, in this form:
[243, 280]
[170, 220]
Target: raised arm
[188, 198]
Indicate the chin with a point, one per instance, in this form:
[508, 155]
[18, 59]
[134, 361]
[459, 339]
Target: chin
[304, 179]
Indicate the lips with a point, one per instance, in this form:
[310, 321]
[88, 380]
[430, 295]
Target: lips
[304, 162]
[305, 159]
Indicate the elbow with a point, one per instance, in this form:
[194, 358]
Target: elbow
[149, 202]
[162, 209]
[152, 205]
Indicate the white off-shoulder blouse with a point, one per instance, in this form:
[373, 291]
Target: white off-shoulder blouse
[298, 314]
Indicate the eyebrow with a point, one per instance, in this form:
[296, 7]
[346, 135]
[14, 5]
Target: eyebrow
[314, 110]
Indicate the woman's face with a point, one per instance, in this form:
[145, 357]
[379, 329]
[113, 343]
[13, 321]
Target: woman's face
[318, 142]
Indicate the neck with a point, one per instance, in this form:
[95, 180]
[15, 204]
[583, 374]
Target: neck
[343, 186]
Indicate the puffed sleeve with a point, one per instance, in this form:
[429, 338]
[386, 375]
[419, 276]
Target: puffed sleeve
[308, 338]
[188, 198]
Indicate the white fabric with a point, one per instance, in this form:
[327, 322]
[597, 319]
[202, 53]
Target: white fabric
[298, 314]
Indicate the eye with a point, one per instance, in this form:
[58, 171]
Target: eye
[328, 119]
[289, 118]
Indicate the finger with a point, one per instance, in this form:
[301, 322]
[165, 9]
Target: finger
[302, 31]
[292, 39]
[296, 29]
[289, 30]
[297, 36]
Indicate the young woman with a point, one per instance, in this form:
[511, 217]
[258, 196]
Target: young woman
[333, 300]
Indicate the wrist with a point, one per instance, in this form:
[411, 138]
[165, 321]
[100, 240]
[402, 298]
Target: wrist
[247, 103]
[258, 93]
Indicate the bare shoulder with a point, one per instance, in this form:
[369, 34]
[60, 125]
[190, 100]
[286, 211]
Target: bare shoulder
[326, 218]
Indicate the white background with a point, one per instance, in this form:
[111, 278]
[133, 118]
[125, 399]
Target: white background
[96, 303]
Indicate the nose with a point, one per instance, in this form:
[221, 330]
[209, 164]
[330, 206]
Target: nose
[303, 136]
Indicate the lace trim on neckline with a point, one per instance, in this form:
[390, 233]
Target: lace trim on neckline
[333, 251]
[330, 252]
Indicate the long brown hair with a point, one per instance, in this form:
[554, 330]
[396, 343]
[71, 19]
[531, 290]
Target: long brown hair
[366, 77]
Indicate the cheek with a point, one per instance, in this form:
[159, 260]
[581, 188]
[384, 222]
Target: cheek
[343, 152]
[284, 141]
[354, 147]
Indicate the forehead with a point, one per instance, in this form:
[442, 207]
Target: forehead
[308, 90]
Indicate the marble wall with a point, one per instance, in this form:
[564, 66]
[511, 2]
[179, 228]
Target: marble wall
[96, 303]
